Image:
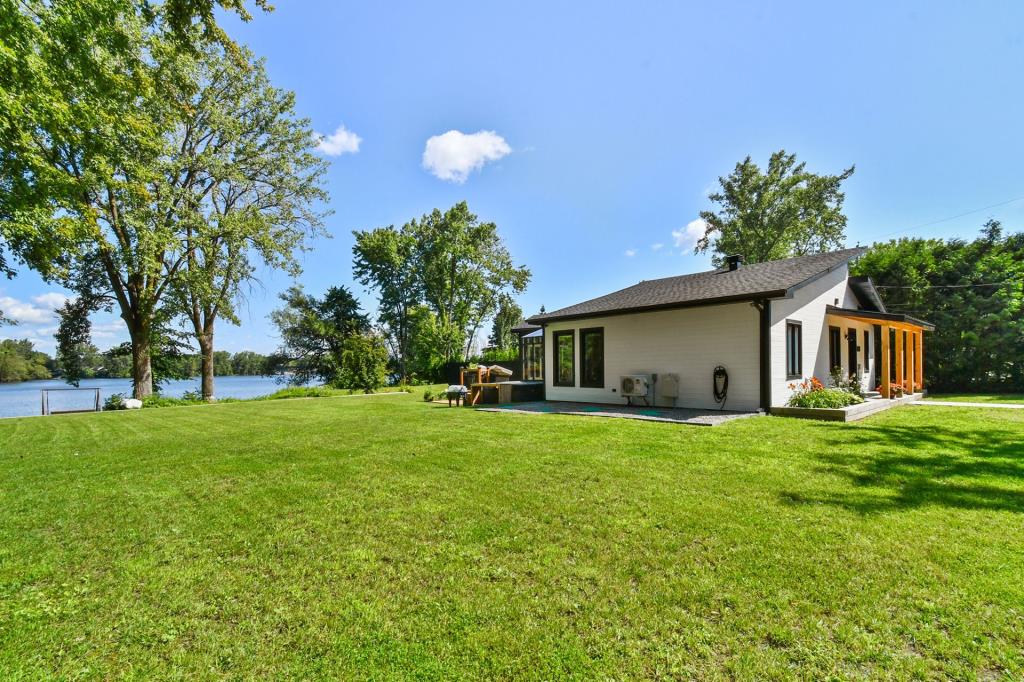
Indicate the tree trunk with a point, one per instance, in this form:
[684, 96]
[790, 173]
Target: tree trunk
[142, 367]
[206, 357]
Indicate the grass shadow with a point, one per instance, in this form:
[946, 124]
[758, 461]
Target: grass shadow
[892, 467]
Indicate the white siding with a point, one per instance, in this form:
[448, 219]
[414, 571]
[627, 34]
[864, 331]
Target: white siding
[689, 342]
[808, 307]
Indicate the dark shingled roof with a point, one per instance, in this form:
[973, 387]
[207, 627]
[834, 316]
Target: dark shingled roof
[773, 279]
[524, 326]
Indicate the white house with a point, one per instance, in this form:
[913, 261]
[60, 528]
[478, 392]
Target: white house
[759, 328]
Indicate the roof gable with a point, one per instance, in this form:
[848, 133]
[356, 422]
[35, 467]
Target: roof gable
[771, 279]
[867, 296]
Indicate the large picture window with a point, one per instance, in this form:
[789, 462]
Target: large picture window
[592, 358]
[564, 366]
[794, 350]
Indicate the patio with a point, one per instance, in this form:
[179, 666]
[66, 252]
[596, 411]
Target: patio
[672, 415]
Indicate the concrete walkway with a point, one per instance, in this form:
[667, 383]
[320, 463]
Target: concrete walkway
[958, 403]
[675, 415]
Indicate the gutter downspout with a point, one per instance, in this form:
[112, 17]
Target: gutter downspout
[764, 307]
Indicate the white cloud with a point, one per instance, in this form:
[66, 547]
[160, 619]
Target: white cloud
[686, 238]
[25, 313]
[37, 321]
[657, 247]
[51, 300]
[454, 155]
[108, 330]
[342, 141]
[629, 253]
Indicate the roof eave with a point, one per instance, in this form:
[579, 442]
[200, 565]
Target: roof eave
[881, 317]
[721, 300]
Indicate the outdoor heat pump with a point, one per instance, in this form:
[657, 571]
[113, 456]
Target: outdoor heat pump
[635, 385]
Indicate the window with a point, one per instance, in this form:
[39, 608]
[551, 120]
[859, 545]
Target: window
[592, 358]
[533, 357]
[564, 345]
[835, 350]
[867, 358]
[794, 350]
[851, 352]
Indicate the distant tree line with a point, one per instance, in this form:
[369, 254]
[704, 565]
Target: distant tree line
[115, 363]
[973, 291]
[19, 361]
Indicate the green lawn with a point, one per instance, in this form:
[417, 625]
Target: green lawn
[1010, 398]
[383, 538]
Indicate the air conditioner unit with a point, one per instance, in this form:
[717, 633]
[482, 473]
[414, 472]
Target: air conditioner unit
[635, 385]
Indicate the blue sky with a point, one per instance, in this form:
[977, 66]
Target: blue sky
[613, 120]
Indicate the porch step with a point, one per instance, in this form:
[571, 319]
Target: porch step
[872, 394]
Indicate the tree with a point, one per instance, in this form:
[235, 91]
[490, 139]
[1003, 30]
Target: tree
[784, 212]
[314, 331]
[465, 267]
[974, 294]
[222, 365]
[364, 362]
[12, 366]
[260, 180]
[91, 90]
[73, 340]
[20, 361]
[248, 363]
[508, 316]
[424, 359]
[450, 262]
[384, 260]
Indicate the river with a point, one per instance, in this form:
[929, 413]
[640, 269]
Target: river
[23, 399]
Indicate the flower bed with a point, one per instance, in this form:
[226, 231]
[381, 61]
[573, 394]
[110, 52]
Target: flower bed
[811, 393]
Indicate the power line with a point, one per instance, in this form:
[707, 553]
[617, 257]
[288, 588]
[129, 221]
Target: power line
[954, 217]
[991, 284]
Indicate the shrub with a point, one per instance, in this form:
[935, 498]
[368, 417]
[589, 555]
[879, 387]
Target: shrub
[827, 398]
[492, 355]
[812, 393]
[114, 402]
[164, 401]
[846, 382]
[364, 363]
[301, 392]
[428, 395]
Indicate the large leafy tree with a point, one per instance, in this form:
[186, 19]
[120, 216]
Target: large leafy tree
[973, 291]
[450, 262]
[465, 268]
[384, 260]
[89, 92]
[252, 180]
[780, 212]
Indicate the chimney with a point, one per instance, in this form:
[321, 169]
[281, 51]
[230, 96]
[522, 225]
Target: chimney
[734, 262]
